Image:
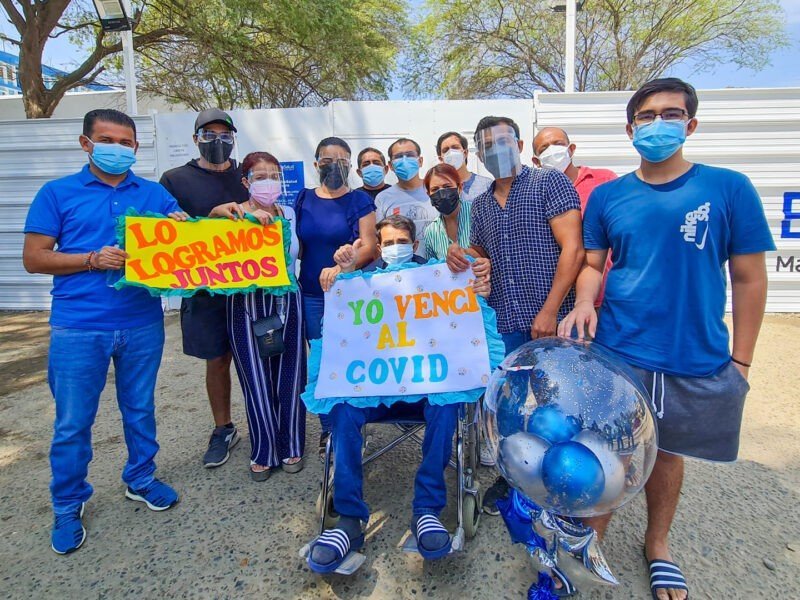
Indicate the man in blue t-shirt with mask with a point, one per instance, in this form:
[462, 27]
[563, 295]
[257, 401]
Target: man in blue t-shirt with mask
[70, 233]
[672, 225]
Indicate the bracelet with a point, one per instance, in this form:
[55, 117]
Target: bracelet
[738, 362]
[88, 261]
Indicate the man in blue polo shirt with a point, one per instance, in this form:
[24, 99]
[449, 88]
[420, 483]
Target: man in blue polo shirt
[672, 226]
[70, 234]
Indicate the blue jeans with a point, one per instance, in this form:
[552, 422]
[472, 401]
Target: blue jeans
[430, 492]
[77, 370]
[515, 339]
[313, 308]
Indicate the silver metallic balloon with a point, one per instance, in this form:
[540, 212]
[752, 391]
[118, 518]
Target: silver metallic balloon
[573, 549]
[521, 463]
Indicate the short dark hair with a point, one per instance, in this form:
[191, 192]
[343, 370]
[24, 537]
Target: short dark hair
[666, 84]
[109, 115]
[400, 141]
[398, 222]
[252, 159]
[370, 149]
[444, 136]
[332, 141]
[487, 122]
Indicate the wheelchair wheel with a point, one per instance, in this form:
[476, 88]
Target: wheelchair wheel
[471, 517]
[330, 515]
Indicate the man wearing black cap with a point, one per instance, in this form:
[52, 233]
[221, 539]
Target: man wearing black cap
[200, 185]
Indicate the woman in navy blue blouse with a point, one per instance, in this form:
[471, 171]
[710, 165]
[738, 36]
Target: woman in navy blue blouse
[330, 216]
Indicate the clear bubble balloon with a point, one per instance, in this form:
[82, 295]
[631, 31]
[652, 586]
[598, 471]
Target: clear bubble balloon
[570, 426]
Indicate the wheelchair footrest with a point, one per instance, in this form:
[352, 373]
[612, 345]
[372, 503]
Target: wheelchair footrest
[351, 563]
[456, 542]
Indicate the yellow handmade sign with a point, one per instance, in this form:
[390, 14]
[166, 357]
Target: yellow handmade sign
[220, 255]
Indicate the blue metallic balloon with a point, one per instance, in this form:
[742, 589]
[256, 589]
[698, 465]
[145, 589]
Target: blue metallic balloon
[573, 476]
[550, 423]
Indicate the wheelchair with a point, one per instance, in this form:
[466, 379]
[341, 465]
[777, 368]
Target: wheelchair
[465, 461]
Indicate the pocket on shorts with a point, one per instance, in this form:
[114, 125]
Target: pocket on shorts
[735, 376]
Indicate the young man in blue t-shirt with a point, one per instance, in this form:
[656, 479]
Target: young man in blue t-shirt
[672, 225]
[70, 234]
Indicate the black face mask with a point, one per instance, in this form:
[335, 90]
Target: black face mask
[445, 200]
[216, 152]
[332, 176]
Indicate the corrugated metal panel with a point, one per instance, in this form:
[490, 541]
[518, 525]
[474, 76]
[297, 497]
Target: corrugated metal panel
[755, 131]
[32, 153]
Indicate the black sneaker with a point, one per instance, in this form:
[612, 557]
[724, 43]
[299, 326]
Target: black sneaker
[498, 491]
[222, 441]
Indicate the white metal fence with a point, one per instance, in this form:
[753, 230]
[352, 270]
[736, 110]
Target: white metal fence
[32, 153]
[753, 131]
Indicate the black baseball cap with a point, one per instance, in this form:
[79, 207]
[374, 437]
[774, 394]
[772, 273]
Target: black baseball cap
[213, 115]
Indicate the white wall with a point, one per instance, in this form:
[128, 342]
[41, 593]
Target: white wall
[292, 134]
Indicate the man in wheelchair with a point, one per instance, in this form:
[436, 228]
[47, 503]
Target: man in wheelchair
[396, 238]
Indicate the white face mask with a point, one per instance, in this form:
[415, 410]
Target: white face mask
[556, 157]
[454, 157]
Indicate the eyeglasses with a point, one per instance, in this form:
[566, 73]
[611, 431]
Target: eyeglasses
[647, 117]
[262, 175]
[342, 162]
[409, 154]
[226, 137]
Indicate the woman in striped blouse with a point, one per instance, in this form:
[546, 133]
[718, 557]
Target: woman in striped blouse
[443, 185]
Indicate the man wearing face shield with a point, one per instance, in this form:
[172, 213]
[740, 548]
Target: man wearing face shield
[408, 198]
[452, 148]
[528, 224]
[553, 150]
[199, 186]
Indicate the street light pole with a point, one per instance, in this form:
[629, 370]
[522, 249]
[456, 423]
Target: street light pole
[129, 65]
[569, 53]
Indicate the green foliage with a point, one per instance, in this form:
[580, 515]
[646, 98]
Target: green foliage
[493, 48]
[277, 53]
[228, 53]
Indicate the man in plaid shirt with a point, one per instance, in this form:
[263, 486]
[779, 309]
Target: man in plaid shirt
[528, 224]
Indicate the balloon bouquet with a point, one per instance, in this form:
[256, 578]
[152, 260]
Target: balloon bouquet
[572, 432]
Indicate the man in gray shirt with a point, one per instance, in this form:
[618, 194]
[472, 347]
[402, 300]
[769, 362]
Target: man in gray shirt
[408, 197]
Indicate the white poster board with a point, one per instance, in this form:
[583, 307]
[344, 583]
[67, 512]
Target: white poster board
[402, 332]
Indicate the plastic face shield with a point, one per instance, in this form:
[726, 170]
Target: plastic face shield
[498, 149]
[334, 172]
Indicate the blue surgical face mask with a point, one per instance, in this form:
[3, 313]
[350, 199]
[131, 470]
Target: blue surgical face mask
[406, 168]
[114, 159]
[372, 175]
[659, 140]
[397, 254]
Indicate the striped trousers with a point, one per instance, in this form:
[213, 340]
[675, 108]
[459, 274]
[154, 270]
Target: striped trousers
[276, 415]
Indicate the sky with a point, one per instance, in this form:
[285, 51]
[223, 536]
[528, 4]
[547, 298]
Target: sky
[783, 70]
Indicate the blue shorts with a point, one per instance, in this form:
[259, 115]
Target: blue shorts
[204, 326]
[699, 417]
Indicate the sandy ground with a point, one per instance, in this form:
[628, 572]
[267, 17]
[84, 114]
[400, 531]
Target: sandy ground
[736, 534]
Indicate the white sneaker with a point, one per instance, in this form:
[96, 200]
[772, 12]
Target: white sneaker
[487, 458]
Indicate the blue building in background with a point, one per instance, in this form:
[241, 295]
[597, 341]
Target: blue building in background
[9, 81]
